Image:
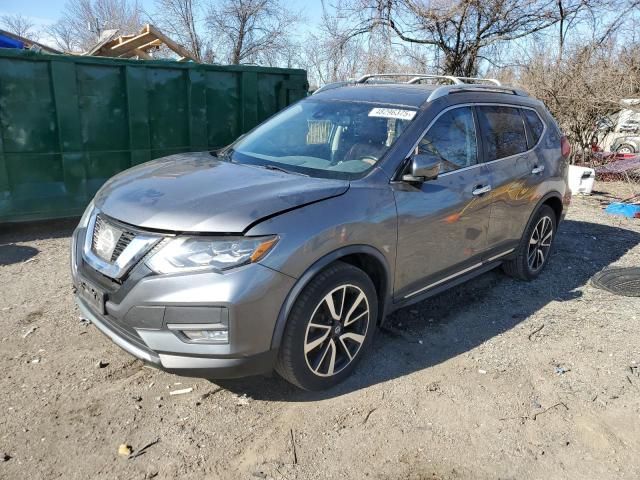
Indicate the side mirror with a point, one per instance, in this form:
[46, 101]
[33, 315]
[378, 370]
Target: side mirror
[424, 166]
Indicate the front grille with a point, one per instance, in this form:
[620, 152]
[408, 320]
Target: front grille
[96, 232]
[123, 241]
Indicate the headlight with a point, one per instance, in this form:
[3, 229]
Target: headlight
[84, 220]
[188, 254]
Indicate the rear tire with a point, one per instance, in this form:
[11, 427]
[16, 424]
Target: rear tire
[329, 328]
[534, 250]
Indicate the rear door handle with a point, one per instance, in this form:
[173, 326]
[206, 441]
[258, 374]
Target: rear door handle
[536, 170]
[481, 190]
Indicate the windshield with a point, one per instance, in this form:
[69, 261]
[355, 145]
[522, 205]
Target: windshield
[324, 139]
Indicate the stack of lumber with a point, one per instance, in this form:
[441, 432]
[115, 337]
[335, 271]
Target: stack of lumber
[138, 45]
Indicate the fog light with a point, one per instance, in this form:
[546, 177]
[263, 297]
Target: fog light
[213, 333]
[207, 336]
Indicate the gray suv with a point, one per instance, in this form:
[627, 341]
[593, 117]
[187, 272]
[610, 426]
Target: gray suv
[287, 249]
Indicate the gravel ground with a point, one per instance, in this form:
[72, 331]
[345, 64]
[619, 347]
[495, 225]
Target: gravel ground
[493, 379]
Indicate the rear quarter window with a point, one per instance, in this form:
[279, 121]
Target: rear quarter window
[503, 131]
[536, 127]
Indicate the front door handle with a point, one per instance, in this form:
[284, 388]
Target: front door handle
[481, 190]
[536, 170]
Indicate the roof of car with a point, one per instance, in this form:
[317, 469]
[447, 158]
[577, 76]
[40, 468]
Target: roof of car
[400, 94]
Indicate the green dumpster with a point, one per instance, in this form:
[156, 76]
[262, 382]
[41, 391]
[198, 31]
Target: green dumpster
[68, 123]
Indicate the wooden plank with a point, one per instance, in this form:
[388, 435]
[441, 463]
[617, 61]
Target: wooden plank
[105, 38]
[170, 43]
[156, 43]
[130, 44]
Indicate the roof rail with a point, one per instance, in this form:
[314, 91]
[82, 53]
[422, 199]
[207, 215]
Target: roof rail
[420, 76]
[458, 84]
[417, 76]
[495, 81]
[469, 87]
[329, 86]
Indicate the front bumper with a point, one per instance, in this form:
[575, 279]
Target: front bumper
[206, 367]
[138, 310]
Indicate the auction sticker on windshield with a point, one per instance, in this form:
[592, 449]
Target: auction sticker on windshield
[399, 113]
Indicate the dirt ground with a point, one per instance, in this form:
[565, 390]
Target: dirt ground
[493, 379]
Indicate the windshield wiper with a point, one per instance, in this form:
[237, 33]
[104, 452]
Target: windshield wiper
[280, 169]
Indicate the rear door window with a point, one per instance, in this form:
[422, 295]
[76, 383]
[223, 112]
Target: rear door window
[536, 127]
[502, 131]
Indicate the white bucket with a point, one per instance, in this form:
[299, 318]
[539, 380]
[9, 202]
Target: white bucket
[581, 179]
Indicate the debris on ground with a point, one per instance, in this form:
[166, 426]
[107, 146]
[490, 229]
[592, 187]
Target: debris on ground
[536, 331]
[143, 450]
[5, 457]
[561, 370]
[293, 447]
[124, 449]
[623, 209]
[559, 404]
[102, 364]
[30, 331]
[181, 391]
[242, 400]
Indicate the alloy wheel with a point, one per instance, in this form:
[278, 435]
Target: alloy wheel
[336, 330]
[540, 243]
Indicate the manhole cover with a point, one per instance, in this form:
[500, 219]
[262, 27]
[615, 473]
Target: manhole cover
[621, 281]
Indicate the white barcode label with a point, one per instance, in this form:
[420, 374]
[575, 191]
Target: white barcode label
[399, 113]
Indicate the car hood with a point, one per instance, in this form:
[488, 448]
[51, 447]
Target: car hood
[196, 192]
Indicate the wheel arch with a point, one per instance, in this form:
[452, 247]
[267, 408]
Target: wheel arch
[626, 141]
[554, 200]
[365, 257]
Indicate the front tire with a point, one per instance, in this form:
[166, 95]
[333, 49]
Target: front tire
[329, 329]
[625, 148]
[535, 247]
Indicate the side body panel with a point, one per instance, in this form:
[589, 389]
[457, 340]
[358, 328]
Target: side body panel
[364, 215]
[520, 183]
[442, 228]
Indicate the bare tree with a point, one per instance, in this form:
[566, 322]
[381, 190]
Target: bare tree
[247, 30]
[603, 18]
[63, 37]
[20, 25]
[584, 87]
[328, 56]
[83, 21]
[459, 29]
[182, 19]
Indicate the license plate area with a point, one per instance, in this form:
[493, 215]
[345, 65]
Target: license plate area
[92, 295]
